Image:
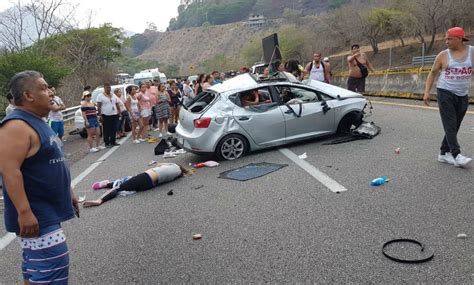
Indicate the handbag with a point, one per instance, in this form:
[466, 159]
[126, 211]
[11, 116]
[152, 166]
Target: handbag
[363, 69]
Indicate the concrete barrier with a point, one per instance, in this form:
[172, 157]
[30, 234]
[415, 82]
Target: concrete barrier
[408, 83]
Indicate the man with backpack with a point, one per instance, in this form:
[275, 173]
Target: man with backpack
[318, 70]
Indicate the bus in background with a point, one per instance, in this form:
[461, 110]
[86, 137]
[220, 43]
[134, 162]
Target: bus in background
[152, 74]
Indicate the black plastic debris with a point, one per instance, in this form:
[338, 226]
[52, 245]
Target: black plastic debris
[251, 171]
[366, 130]
[170, 193]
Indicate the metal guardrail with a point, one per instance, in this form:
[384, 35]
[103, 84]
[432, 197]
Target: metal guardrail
[69, 113]
[422, 60]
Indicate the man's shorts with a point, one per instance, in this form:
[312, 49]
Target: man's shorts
[58, 128]
[46, 258]
[93, 123]
[356, 84]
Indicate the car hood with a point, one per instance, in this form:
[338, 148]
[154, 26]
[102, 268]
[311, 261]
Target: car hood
[332, 90]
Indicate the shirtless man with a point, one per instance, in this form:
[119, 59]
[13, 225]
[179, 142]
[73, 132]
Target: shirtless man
[356, 82]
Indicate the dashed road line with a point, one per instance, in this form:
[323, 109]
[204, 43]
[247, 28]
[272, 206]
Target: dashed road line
[9, 237]
[322, 177]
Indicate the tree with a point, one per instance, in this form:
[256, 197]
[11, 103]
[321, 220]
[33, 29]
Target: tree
[293, 43]
[27, 24]
[52, 69]
[433, 15]
[85, 51]
[373, 24]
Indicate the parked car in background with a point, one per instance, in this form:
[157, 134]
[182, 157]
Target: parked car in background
[220, 120]
[79, 125]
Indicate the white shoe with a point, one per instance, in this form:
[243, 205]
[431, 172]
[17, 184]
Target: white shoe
[136, 141]
[461, 160]
[161, 135]
[156, 130]
[100, 147]
[92, 150]
[168, 155]
[446, 158]
[142, 140]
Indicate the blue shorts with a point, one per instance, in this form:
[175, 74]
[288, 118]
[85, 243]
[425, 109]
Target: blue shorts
[93, 123]
[46, 258]
[58, 128]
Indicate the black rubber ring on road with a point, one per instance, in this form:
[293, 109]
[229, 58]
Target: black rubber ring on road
[422, 249]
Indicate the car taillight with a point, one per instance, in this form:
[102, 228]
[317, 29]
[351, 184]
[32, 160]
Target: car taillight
[202, 123]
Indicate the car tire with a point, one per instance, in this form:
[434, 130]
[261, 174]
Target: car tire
[83, 133]
[231, 147]
[349, 120]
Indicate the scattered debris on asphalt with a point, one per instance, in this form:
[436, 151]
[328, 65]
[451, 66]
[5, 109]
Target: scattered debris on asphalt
[198, 187]
[125, 193]
[365, 131]
[379, 181]
[170, 193]
[210, 163]
[397, 150]
[251, 171]
[427, 257]
[152, 162]
[462, 236]
[197, 236]
[81, 199]
[303, 156]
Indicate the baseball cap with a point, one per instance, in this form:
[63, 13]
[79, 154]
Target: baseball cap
[326, 59]
[85, 93]
[457, 32]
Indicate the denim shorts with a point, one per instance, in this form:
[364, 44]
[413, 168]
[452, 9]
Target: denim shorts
[93, 123]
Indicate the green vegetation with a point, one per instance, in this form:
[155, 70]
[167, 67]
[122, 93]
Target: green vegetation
[216, 12]
[11, 63]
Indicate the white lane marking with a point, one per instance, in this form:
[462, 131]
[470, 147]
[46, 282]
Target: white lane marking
[95, 164]
[6, 240]
[322, 177]
[9, 237]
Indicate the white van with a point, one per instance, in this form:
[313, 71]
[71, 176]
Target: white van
[149, 75]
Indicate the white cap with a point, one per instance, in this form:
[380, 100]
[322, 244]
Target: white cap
[326, 59]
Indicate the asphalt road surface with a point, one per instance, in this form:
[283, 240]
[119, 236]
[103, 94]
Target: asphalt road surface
[285, 227]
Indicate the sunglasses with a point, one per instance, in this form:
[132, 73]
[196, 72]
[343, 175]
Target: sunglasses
[87, 96]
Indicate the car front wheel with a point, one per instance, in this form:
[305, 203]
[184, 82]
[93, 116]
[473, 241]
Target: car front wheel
[231, 147]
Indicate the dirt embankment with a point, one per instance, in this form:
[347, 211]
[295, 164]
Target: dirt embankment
[187, 47]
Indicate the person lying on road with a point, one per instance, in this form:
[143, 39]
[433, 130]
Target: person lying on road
[162, 173]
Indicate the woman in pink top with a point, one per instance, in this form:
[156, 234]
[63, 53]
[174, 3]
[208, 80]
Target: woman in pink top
[145, 106]
[152, 92]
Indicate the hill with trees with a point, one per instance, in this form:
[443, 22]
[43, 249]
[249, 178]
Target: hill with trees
[228, 46]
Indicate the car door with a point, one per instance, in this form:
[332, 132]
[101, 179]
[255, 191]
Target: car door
[264, 123]
[306, 113]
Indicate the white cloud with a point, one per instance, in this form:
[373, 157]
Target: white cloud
[130, 15]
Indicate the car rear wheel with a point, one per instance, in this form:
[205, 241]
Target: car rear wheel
[231, 147]
[349, 120]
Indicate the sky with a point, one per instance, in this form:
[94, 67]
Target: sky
[131, 16]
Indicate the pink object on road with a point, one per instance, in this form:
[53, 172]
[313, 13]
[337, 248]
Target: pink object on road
[100, 184]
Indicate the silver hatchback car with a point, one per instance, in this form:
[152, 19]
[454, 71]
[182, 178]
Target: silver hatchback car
[245, 113]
